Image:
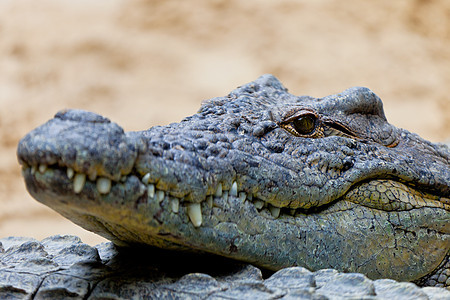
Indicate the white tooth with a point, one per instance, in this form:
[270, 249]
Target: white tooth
[292, 211]
[42, 168]
[209, 200]
[233, 191]
[250, 197]
[78, 182]
[259, 204]
[103, 185]
[146, 178]
[195, 214]
[142, 188]
[275, 211]
[92, 176]
[33, 170]
[242, 196]
[219, 191]
[151, 190]
[225, 195]
[70, 173]
[175, 204]
[159, 196]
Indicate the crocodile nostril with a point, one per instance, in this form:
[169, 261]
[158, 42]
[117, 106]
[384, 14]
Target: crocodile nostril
[78, 115]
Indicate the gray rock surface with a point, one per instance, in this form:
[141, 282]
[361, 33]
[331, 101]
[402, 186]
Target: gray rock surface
[62, 267]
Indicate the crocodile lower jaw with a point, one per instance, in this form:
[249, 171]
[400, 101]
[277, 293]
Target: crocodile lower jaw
[103, 186]
[406, 198]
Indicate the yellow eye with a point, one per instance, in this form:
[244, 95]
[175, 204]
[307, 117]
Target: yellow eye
[304, 125]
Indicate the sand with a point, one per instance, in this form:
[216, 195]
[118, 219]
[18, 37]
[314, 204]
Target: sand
[144, 63]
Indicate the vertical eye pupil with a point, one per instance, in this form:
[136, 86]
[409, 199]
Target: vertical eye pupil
[304, 124]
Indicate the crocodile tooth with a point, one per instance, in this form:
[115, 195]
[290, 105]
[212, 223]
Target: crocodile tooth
[42, 168]
[292, 211]
[175, 204]
[92, 176]
[275, 211]
[151, 190]
[70, 173]
[218, 192]
[209, 200]
[103, 185]
[249, 197]
[142, 189]
[78, 182]
[195, 214]
[258, 204]
[225, 195]
[233, 191]
[159, 195]
[242, 196]
[33, 170]
[146, 178]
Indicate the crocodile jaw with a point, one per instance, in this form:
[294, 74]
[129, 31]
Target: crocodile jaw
[404, 244]
[144, 204]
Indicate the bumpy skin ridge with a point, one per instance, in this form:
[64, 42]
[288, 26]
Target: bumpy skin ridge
[260, 175]
[62, 267]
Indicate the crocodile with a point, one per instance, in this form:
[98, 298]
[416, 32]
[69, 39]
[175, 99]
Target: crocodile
[260, 176]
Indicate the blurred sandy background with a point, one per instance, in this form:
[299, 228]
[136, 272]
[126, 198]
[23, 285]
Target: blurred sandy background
[143, 63]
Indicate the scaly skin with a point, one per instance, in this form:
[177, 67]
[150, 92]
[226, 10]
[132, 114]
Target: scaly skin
[261, 176]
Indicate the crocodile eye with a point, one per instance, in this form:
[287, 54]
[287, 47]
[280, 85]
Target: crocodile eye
[304, 125]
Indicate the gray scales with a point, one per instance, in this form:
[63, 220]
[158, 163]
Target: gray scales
[260, 176]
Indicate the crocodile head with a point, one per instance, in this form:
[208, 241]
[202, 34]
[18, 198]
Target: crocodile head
[260, 175]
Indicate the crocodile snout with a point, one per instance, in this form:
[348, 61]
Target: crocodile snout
[83, 142]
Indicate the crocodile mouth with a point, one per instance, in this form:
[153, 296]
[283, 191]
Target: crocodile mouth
[377, 193]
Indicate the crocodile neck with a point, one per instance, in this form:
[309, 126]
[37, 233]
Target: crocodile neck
[260, 175]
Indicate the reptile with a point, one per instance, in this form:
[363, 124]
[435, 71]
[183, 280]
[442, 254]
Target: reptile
[261, 176]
